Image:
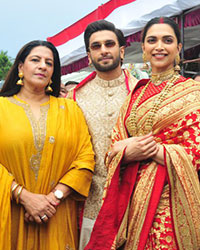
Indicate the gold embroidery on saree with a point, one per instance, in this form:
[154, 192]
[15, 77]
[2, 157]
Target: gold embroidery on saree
[156, 101]
[185, 213]
[161, 232]
[139, 205]
[185, 204]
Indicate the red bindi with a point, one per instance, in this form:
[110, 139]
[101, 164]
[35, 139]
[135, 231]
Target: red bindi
[161, 20]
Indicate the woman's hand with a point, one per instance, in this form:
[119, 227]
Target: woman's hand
[52, 201]
[137, 148]
[159, 156]
[38, 206]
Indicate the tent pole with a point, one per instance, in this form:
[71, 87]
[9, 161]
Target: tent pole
[182, 21]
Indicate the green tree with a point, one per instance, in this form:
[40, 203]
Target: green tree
[5, 64]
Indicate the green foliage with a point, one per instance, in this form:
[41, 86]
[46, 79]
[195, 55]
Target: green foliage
[5, 64]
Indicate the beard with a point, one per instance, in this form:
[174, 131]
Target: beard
[107, 67]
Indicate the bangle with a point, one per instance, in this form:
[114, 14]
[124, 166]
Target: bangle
[18, 194]
[13, 189]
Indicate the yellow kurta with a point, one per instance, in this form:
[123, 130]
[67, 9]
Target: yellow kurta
[39, 154]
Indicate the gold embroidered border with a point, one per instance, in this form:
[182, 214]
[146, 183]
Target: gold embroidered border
[139, 206]
[171, 118]
[183, 99]
[39, 132]
[182, 96]
[185, 198]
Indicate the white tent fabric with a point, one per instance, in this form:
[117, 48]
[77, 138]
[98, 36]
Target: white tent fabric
[130, 18]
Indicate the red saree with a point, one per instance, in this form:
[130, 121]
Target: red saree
[151, 206]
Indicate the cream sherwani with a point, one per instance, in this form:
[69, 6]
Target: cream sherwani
[100, 101]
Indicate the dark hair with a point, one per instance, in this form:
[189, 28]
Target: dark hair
[70, 82]
[11, 88]
[103, 25]
[166, 20]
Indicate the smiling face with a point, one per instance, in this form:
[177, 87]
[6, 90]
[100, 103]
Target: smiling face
[37, 68]
[161, 47]
[104, 51]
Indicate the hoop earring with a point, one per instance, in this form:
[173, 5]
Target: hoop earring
[20, 81]
[49, 88]
[177, 62]
[145, 64]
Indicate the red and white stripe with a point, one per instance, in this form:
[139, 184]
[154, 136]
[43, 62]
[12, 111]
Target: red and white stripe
[128, 15]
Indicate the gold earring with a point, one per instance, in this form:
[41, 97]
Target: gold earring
[20, 82]
[49, 88]
[177, 62]
[145, 64]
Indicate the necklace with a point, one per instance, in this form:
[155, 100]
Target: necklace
[158, 78]
[132, 121]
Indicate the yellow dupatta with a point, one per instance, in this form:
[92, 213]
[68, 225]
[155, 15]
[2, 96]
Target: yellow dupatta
[5, 208]
[65, 157]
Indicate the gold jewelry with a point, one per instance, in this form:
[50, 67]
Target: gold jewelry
[158, 78]
[13, 189]
[155, 107]
[18, 194]
[145, 64]
[157, 102]
[20, 81]
[49, 88]
[177, 62]
[132, 117]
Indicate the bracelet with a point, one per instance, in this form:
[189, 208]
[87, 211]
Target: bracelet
[13, 189]
[18, 194]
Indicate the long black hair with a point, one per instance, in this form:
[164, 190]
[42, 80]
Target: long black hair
[11, 88]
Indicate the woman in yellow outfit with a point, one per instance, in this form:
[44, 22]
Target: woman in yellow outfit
[46, 157]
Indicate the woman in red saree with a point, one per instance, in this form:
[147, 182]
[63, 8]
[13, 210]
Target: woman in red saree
[152, 194]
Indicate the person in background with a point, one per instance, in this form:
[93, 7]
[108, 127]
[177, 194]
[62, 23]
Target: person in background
[44, 169]
[70, 85]
[152, 193]
[63, 91]
[100, 96]
[65, 88]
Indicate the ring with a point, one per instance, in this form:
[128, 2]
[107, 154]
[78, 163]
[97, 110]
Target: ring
[43, 217]
[109, 153]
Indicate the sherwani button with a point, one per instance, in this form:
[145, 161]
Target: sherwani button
[110, 93]
[110, 113]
